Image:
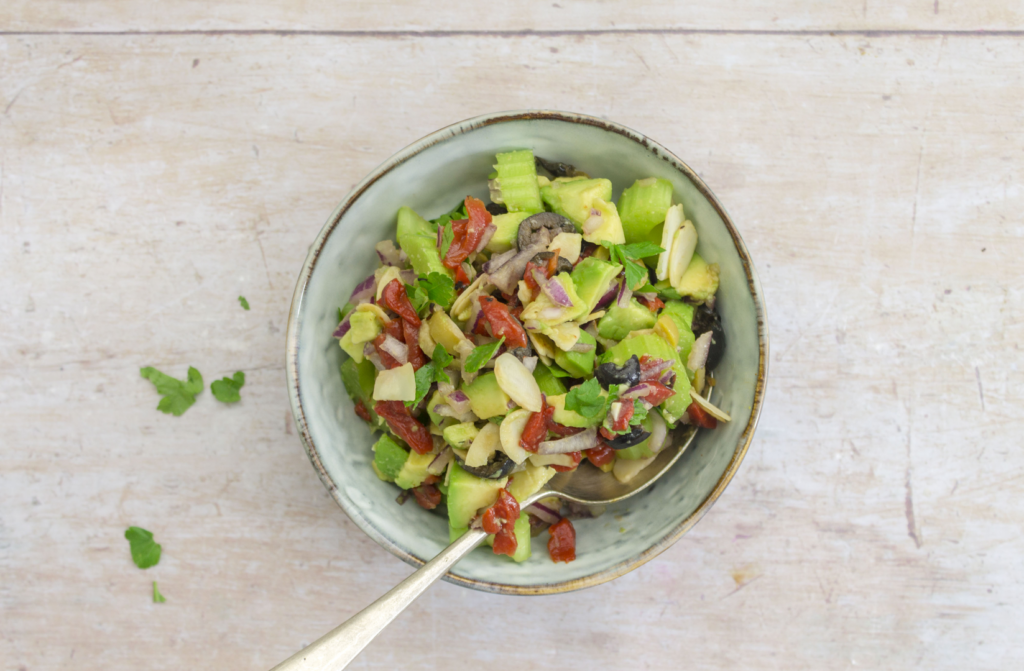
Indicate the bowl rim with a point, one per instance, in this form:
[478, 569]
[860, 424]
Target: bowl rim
[461, 128]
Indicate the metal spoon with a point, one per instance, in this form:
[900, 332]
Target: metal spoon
[586, 485]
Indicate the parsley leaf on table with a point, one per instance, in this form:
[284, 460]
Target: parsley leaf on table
[178, 396]
[629, 256]
[145, 551]
[226, 389]
[481, 355]
[586, 399]
[245, 303]
[157, 596]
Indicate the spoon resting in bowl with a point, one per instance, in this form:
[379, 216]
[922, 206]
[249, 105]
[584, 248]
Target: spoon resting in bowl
[586, 485]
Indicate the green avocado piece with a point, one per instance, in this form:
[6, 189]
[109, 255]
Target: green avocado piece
[414, 470]
[418, 239]
[659, 348]
[578, 364]
[467, 494]
[640, 450]
[522, 531]
[592, 278]
[389, 457]
[618, 322]
[700, 281]
[572, 197]
[358, 379]
[435, 400]
[642, 207]
[486, 398]
[571, 418]
[546, 380]
[364, 327]
[681, 315]
[460, 436]
[505, 237]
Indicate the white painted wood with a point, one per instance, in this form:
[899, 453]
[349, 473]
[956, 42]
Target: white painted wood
[146, 181]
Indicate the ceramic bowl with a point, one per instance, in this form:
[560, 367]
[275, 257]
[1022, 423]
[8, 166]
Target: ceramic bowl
[429, 176]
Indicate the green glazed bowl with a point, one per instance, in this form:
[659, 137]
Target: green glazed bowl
[429, 176]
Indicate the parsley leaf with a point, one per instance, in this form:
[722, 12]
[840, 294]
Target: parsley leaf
[178, 396]
[639, 412]
[440, 289]
[417, 296]
[430, 373]
[640, 250]
[447, 238]
[481, 355]
[629, 256]
[442, 359]
[586, 399]
[245, 303]
[226, 389]
[157, 596]
[458, 213]
[145, 551]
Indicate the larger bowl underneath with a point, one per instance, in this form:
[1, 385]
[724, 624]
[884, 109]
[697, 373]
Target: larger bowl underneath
[430, 176]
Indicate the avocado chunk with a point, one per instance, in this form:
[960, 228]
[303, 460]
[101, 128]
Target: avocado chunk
[618, 322]
[546, 380]
[649, 343]
[643, 206]
[504, 238]
[434, 401]
[414, 470]
[358, 378]
[681, 315]
[486, 398]
[700, 281]
[592, 278]
[578, 364]
[388, 458]
[610, 229]
[571, 418]
[540, 305]
[526, 483]
[522, 532]
[467, 494]
[573, 197]
[460, 436]
[418, 239]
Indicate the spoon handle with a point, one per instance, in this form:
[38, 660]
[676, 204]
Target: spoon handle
[335, 649]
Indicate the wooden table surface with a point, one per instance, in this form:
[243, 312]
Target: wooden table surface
[159, 159]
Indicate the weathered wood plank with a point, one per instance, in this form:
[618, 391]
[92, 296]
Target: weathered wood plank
[145, 182]
[532, 15]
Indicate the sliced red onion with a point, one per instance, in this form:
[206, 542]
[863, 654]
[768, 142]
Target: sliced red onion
[508, 275]
[625, 293]
[581, 441]
[668, 378]
[543, 513]
[498, 260]
[593, 222]
[699, 354]
[609, 295]
[458, 401]
[488, 234]
[343, 327]
[656, 366]
[364, 291]
[371, 354]
[530, 363]
[440, 236]
[474, 319]
[538, 277]
[445, 410]
[638, 391]
[446, 388]
[440, 462]
[582, 347]
[554, 290]
[396, 348]
[390, 255]
[408, 276]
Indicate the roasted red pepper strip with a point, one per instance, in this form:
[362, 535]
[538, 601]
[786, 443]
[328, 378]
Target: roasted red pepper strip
[652, 304]
[660, 393]
[600, 455]
[502, 323]
[385, 358]
[531, 283]
[500, 520]
[405, 427]
[397, 300]
[467, 233]
[622, 423]
[562, 430]
[461, 276]
[552, 263]
[576, 457]
[536, 429]
[361, 410]
[427, 495]
[700, 417]
[562, 544]
[412, 341]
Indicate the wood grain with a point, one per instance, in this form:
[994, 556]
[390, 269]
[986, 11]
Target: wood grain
[147, 181]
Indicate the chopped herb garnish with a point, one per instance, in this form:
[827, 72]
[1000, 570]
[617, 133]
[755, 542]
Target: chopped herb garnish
[639, 412]
[226, 389]
[481, 355]
[440, 289]
[245, 303]
[586, 399]
[178, 395]
[429, 373]
[157, 596]
[458, 213]
[145, 551]
[629, 256]
[447, 238]
[442, 359]
[417, 296]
